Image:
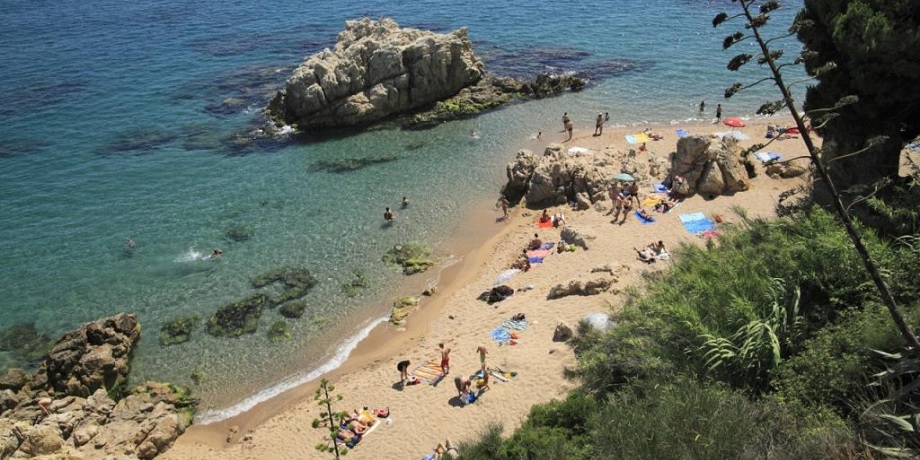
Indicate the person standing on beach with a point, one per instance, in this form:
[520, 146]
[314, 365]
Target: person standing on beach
[482, 356]
[599, 125]
[702, 106]
[403, 368]
[569, 127]
[718, 112]
[505, 203]
[445, 358]
[606, 116]
[565, 121]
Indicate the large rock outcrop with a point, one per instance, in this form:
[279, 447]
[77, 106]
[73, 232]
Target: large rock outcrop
[560, 176]
[711, 166]
[376, 69]
[65, 410]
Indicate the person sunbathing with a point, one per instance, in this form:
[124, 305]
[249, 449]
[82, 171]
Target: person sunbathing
[535, 243]
[345, 434]
[664, 206]
[545, 217]
[644, 215]
[559, 220]
[522, 263]
[645, 254]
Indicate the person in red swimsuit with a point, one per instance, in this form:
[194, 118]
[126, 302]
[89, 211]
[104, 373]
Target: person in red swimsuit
[445, 358]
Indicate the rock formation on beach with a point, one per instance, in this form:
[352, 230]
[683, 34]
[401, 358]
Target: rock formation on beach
[710, 166]
[72, 406]
[376, 69]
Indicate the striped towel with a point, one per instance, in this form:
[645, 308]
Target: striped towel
[429, 372]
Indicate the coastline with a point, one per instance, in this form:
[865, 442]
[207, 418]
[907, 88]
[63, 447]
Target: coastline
[280, 427]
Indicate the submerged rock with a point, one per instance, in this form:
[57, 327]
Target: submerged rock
[358, 283]
[376, 69]
[238, 318]
[178, 330]
[297, 282]
[343, 165]
[25, 344]
[412, 257]
[280, 330]
[293, 310]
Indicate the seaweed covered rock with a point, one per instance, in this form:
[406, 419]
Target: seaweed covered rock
[25, 344]
[280, 330]
[356, 284]
[238, 318]
[349, 164]
[377, 69]
[238, 233]
[401, 309]
[178, 330]
[293, 310]
[296, 282]
[412, 257]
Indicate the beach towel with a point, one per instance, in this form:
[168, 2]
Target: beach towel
[548, 245]
[697, 223]
[503, 333]
[768, 156]
[517, 325]
[506, 275]
[651, 201]
[429, 372]
[577, 150]
[631, 139]
[547, 224]
[682, 133]
[535, 256]
[642, 219]
[660, 188]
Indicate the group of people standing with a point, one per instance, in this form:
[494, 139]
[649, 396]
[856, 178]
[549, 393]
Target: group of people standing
[569, 127]
[623, 195]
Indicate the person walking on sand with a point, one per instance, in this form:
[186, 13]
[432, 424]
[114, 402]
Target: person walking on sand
[485, 380]
[569, 127]
[565, 121]
[403, 368]
[445, 358]
[505, 203]
[718, 112]
[599, 124]
[482, 356]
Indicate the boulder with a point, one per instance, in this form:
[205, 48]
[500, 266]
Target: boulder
[94, 356]
[401, 309]
[562, 333]
[579, 287]
[786, 170]
[376, 69]
[571, 236]
[709, 165]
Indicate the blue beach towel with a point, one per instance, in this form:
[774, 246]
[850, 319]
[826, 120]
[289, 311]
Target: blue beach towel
[535, 260]
[914, 146]
[500, 334]
[642, 219]
[631, 139]
[768, 156]
[697, 223]
[660, 188]
[682, 133]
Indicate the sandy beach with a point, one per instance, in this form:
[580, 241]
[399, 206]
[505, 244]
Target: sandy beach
[423, 415]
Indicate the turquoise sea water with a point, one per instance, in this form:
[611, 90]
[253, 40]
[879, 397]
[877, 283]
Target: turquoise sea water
[123, 119]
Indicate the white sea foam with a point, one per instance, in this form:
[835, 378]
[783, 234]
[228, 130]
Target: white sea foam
[341, 354]
[188, 256]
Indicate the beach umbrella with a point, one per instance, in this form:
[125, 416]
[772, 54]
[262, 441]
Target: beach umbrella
[734, 122]
[623, 177]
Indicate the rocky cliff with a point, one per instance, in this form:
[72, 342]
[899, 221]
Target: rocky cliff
[376, 69]
[74, 405]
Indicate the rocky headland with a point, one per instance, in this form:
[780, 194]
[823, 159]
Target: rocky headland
[378, 70]
[76, 405]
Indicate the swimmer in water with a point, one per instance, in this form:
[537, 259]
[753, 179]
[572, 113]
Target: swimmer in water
[214, 255]
[130, 244]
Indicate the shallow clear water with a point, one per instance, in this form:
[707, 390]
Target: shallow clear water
[118, 119]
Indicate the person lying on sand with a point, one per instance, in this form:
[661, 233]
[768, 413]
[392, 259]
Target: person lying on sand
[522, 263]
[559, 220]
[646, 215]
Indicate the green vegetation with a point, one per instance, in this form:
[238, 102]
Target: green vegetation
[328, 418]
[178, 330]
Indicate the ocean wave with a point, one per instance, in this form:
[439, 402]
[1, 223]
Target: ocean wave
[341, 354]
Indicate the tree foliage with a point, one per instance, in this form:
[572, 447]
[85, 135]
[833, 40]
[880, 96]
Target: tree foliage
[869, 49]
